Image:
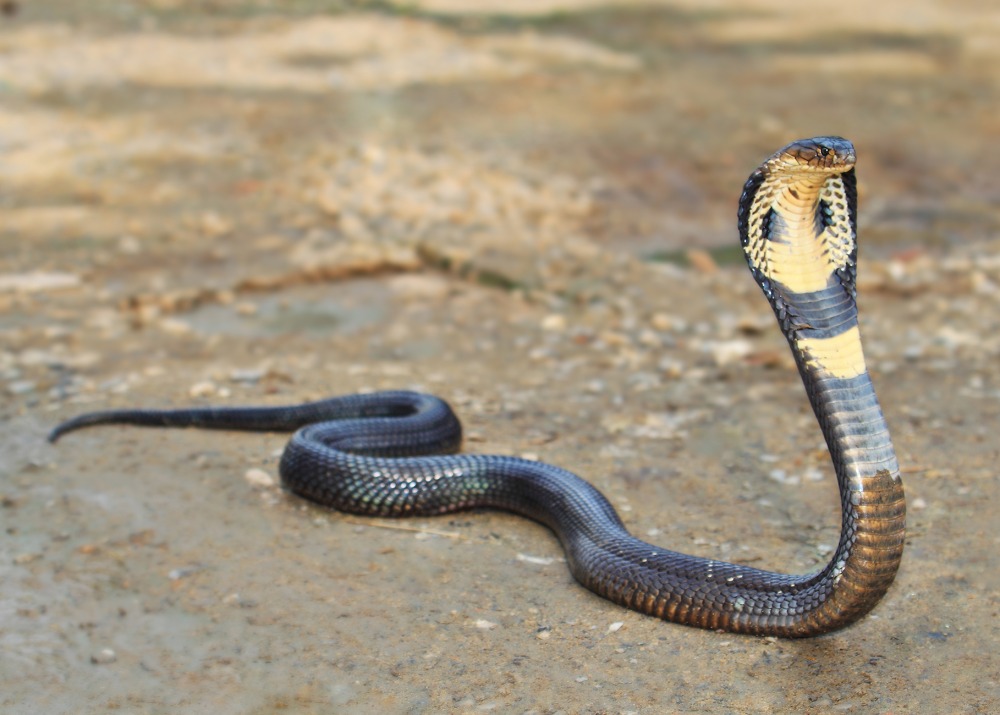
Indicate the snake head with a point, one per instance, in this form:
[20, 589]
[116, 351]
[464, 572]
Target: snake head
[825, 155]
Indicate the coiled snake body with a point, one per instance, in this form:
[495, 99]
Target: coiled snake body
[369, 454]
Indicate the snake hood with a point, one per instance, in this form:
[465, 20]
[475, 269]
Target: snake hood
[797, 220]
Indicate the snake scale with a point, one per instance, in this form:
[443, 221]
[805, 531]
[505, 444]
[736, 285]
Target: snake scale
[394, 453]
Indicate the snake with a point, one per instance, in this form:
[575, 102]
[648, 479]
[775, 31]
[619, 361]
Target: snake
[397, 453]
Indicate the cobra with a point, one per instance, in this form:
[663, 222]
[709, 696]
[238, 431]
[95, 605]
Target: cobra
[394, 453]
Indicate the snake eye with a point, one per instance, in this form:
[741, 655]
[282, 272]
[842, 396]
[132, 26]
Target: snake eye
[825, 151]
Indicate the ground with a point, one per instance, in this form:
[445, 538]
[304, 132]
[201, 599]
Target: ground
[527, 208]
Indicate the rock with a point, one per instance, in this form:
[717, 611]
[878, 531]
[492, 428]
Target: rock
[20, 387]
[205, 388]
[259, 478]
[104, 657]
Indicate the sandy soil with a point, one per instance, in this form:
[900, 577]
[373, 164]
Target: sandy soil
[527, 208]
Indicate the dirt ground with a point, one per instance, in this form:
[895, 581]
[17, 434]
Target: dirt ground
[527, 208]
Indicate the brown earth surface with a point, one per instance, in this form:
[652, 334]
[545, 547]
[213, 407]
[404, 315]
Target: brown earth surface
[527, 208]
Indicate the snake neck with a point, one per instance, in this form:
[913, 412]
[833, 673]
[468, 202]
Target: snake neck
[804, 257]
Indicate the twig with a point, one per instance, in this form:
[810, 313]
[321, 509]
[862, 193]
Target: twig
[404, 527]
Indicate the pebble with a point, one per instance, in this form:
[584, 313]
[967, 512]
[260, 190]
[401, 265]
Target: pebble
[258, 478]
[650, 338]
[485, 625]
[616, 626]
[213, 225]
[103, 657]
[129, 245]
[205, 388]
[813, 475]
[783, 477]
[250, 375]
[726, 352]
[596, 386]
[20, 387]
[554, 322]
[702, 261]
[174, 326]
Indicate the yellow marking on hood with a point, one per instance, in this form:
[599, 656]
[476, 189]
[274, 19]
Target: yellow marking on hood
[840, 356]
[798, 257]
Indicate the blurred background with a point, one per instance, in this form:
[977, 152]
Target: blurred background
[238, 129]
[527, 206]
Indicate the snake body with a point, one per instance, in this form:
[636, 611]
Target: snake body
[393, 453]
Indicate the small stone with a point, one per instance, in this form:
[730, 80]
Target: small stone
[783, 477]
[103, 657]
[20, 387]
[662, 321]
[596, 386]
[129, 245]
[174, 326]
[649, 338]
[485, 625]
[616, 626]
[205, 388]
[918, 504]
[259, 478]
[813, 475]
[702, 261]
[213, 225]
[726, 352]
[554, 322]
[671, 367]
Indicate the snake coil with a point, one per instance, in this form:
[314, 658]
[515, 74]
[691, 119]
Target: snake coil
[369, 454]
